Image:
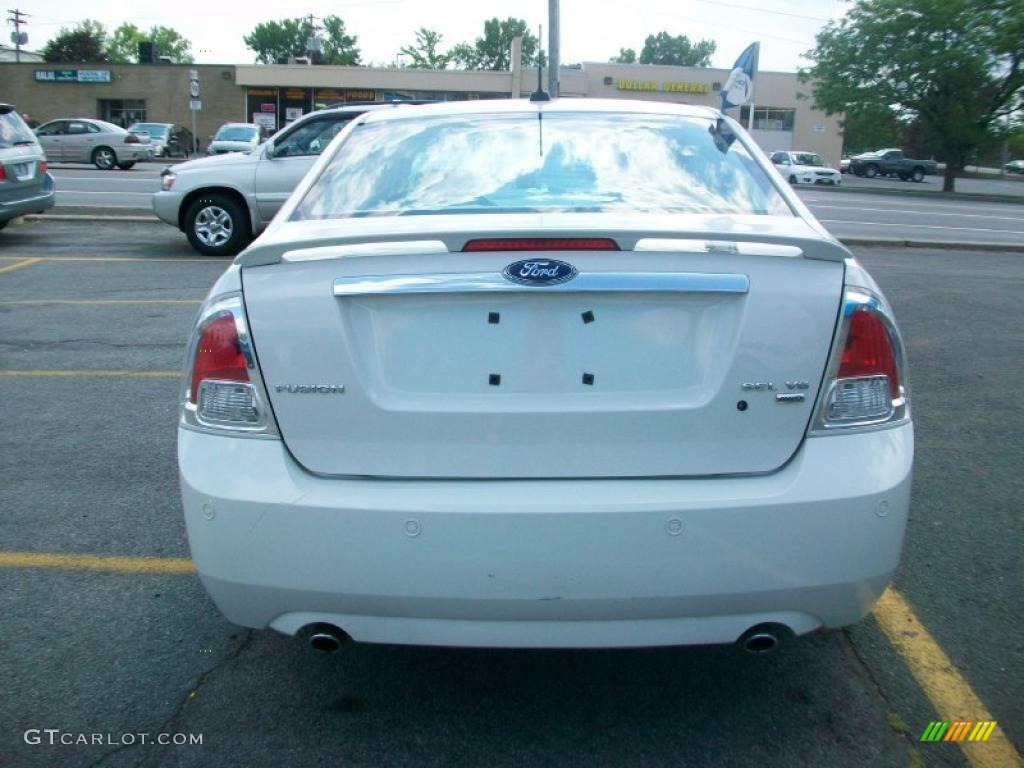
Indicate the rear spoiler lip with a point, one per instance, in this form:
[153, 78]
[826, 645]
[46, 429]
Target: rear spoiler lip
[813, 242]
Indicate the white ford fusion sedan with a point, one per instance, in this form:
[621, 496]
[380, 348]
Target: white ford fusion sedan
[573, 373]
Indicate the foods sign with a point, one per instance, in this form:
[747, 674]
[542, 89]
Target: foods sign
[666, 87]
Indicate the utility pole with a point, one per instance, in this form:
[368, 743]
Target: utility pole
[17, 20]
[312, 42]
[553, 44]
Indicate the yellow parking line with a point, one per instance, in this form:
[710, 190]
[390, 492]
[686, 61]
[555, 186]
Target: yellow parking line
[97, 562]
[29, 302]
[85, 374]
[941, 682]
[19, 264]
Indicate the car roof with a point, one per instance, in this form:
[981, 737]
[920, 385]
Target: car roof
[525, 106]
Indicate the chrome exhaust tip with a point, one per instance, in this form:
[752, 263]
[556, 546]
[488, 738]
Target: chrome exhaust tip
[326, 638]
[760, 642]
[764, 638]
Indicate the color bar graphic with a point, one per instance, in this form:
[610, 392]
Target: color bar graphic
[958, 730]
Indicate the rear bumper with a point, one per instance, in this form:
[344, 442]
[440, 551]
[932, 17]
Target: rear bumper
[33, 200]
[595, 563]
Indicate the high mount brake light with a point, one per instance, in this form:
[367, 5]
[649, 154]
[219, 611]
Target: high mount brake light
[865, 383]
[223, 390]
[542, 244]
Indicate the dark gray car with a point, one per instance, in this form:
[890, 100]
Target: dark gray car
[25, 184]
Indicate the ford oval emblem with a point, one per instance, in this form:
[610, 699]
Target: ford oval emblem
[540, 272]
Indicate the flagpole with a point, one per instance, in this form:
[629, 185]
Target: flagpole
[750, 118]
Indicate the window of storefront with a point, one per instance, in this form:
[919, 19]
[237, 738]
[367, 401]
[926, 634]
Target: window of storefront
[769, 118]
[123, 112]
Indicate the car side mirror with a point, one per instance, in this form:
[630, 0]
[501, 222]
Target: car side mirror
[268, 152]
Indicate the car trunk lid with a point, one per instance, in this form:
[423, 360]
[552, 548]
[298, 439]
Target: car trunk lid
[679, 357]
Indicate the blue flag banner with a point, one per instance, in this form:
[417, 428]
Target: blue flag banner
[739, 87]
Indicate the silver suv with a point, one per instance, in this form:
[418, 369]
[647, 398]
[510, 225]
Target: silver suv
[222, 202]
[25, 183]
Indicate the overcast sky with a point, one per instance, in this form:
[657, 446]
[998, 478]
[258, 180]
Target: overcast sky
[592, 30]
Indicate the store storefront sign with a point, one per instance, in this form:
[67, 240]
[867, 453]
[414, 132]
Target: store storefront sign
[666, 86]
[72, 75]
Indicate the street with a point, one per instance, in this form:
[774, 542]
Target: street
[846, 214]
[94, 317]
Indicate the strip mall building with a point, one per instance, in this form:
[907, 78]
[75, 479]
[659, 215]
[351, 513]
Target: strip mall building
[277, 94]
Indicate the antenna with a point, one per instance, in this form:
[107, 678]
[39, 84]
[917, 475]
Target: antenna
[539, 94]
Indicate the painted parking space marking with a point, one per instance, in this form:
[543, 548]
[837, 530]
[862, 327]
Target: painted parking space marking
[87, 374]
[19, 264]
[110, 563]
[941, 681]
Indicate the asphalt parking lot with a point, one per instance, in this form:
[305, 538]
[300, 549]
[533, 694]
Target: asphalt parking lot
[93, 321]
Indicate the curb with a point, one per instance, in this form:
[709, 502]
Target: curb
[864, 242]
[944, 245]
[968, 197]
[88, 217]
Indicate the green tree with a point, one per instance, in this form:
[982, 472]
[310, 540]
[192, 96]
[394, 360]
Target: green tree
[678, 51]
[872, 127]
[275, 41]
[423, 54]
[85, 42]
[338, 47]
[494, 49]
[123, 46]
[954, 66]
[626, 56]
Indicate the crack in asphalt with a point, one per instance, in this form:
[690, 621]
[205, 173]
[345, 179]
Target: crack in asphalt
[180, 709]
[852, 648]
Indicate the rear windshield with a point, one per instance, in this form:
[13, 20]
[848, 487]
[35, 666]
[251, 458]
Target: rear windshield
[519, 163]
[235, 133]
[155, 130]
[13, 130]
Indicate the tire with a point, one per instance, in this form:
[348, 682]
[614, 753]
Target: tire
[216, 225]
[871, 171]
[104, 158]
[126, 166]
[3, 223]
[792, 180]
[917, 174]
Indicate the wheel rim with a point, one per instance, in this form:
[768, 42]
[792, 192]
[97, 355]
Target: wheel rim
[871, 171]
[213, 226]
[918, 175]
[104, 158]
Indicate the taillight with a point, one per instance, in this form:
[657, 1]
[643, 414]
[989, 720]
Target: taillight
[3, 173]
[866, 383]
[223, 388]
[131, 138]
[542, 244]
[218, 354]
[43, 168]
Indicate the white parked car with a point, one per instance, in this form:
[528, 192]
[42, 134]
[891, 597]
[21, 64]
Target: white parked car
[221, 203]
[236, 137]
[805, 168]
[83, 140]
[561, 374]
